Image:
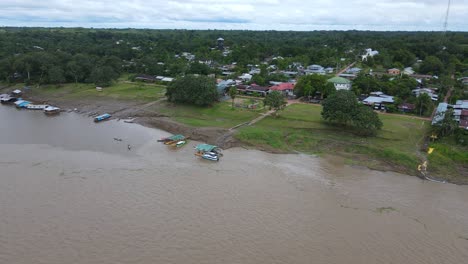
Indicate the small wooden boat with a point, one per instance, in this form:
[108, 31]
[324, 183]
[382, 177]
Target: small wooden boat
[36, 107]
[180, 143]
[102, 117]
[210, 156]
[172, 139]
[51, 110]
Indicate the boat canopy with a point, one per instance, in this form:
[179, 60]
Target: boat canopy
[205, 147]
[176, 137]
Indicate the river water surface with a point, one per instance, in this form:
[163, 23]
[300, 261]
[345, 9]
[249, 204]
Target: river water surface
[70, 193]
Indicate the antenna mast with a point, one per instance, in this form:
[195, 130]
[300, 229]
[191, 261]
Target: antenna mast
[446, 17]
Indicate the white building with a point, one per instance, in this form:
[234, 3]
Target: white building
[340, 83]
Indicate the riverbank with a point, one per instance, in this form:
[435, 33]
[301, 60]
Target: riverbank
[398, 147]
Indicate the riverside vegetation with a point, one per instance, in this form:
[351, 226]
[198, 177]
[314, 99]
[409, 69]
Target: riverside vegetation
[65, 65]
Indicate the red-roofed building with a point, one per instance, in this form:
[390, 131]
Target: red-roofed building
[286, 88]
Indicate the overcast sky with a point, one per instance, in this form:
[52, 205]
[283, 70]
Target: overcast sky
[238, 14]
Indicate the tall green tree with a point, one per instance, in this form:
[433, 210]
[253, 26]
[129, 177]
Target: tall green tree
[276, 101]
[342, 108]
[233, 94]
[56, 75]
[198, 90]
[424, 104]
[447, 126]
[309, 85]
[432, 65]
[103, 76]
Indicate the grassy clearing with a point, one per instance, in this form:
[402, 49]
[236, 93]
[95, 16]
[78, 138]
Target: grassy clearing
[121, 90]
[449, 160]
[300, 128]
[219, 115]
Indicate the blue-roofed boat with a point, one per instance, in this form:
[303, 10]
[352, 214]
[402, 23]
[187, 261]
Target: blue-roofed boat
[22, 103]
[102, 117]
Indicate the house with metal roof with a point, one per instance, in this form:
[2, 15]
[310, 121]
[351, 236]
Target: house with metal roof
[354, 70]
[340, 83]
[377, 98]
[440, 113]
[315, 69]
[431, 92]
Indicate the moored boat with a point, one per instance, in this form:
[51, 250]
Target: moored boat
[102, 117]
[8, 99]
[209, 152]
[211, 156]
[181, 143]
[51, 110]
[36, 107]
[172, 139]
[22, 103]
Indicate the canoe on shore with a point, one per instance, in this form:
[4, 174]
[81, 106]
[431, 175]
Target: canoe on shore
[102, 117]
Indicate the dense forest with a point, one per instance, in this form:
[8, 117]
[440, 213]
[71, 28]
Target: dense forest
[58, 55]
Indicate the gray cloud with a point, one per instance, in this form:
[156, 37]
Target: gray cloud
[237, 14]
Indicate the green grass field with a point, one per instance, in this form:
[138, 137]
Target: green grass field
[300, 128]
[120, 90]
[219, 115]
[450, 160]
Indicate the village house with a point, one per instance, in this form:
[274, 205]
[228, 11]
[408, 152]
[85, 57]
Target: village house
[421, 76]
[394, 71]
[439, 113]
[354, 70]
[290, 74]
[340, 83]
[315, 69]
[223, 86]
[408, 71]
[253, 89]
[245, 77]
[286, 88]
[348, 76]
[146, 78]
[460, 113]
[431, 92]
[463, 123]
[378, 98]
[464, 80]
[406, 107]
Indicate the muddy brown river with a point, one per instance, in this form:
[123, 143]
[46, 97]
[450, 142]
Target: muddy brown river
[70, 193]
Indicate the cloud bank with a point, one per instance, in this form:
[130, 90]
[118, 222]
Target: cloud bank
[426, 15]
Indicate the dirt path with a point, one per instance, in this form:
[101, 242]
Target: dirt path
[448, 95]
[345, 69]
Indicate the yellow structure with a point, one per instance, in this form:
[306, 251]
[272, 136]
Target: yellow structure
[430, 150]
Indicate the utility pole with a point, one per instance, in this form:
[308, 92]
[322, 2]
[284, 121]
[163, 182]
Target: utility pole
[444, 33]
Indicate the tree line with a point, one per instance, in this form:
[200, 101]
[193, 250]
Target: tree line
[55, 55]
